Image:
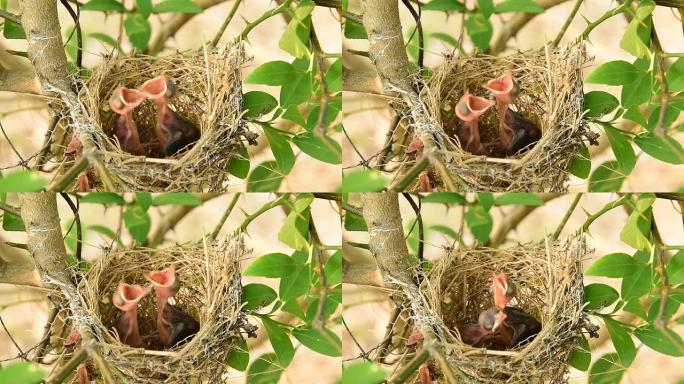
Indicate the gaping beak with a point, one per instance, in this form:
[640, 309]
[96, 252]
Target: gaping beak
[471, 107]
[164, 281]
[503, 87]
[158, 87]
[116, 102]
[131, 98]
[127, 296]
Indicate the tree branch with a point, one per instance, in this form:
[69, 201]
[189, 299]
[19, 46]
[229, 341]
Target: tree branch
[516, 23]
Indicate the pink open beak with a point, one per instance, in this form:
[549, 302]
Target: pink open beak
[469, 109]
[126, 298]
[159, 90]
[503, 291]
[123, 102]
[498, 320]
[504, 90]
[165, 286]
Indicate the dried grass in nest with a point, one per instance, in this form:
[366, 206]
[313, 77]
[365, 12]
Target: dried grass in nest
[209, 95]
[549, 281]
[210, 292]
[551, 96]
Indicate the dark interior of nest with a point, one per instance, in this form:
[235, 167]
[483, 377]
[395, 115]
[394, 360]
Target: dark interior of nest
[530, 102]
[464, 297]
[186, 103]
[186, 300]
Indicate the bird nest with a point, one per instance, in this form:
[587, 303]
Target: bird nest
[551, 96]
[210, 293]
[209, 96]
[549, 285]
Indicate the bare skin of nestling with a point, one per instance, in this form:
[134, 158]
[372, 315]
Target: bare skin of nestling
[126, 298]
[123, 102]
[469, 109]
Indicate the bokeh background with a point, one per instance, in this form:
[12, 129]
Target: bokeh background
[367, 309]
[25, 118]
[367, 116]
[24, 311]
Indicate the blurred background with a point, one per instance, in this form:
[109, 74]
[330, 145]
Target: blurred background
[367, 308]
[25, 118]
[367, 117]
[24, 310]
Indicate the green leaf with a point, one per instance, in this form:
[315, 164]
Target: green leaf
[617, 72]
[599, 103]
[12, 222]
[671, 307]
[239, 164]
[177, 198]
[486, 7]
[239, 356]
[271, 265]
[658, 341]
[295, 284]
[144, 199]
[282, 151]
[634, 306]
[606, 370]
[12, 30]
[635, 40]
[264, 370]
[328, 151]
[581, 163]
[295, 39]
[675, 76]
[354, 222]
[257, 103]
[526, 6]
[444, 5]
[102, 198]
[664, 149]
[364, 180]
[675, 268]
[333, 76]
[292, 306]
[255, 296]
[519, 198]
[144, 7]
[280, 341]
[479, 29]
[444, 198]
[273, 73]
[324, 342]
[137, 222]
[613, 265]
[295, 231]
[333, 269]
[637, 284]
[607, 177]
[354, 30]
[23, 372]
[22, 181]
[622, 148]
[363, 373]
[446, 38]
[637, 230]
[599, 296]
[581, 357]
[638, 91]
[621, 340]
[479, 222]
[181, 6]
[103, 5]
[265, 178]
[445, 230]
[296, 91]
[138, 30]
[634, 114]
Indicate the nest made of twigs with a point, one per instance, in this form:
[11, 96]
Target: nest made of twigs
[210, 292]
[548, 278]
[209, 95]
[551, 96]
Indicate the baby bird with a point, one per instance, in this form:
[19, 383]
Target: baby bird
[173, 131]
[469, 109]
[173, 324]
[519, 323]
[126, 298]
[123, 102]
[488, 332]
[515, 131]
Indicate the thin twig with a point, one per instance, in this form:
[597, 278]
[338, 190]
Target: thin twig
[77, 25]
[221, 30]
[10, 209]
[411, 175]
[568, 213]
[364, 354]
[406, 371]
[41, 350]
[79, 233]
[568, 21]
[389, 334]
[223, 219]
[22, 354]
